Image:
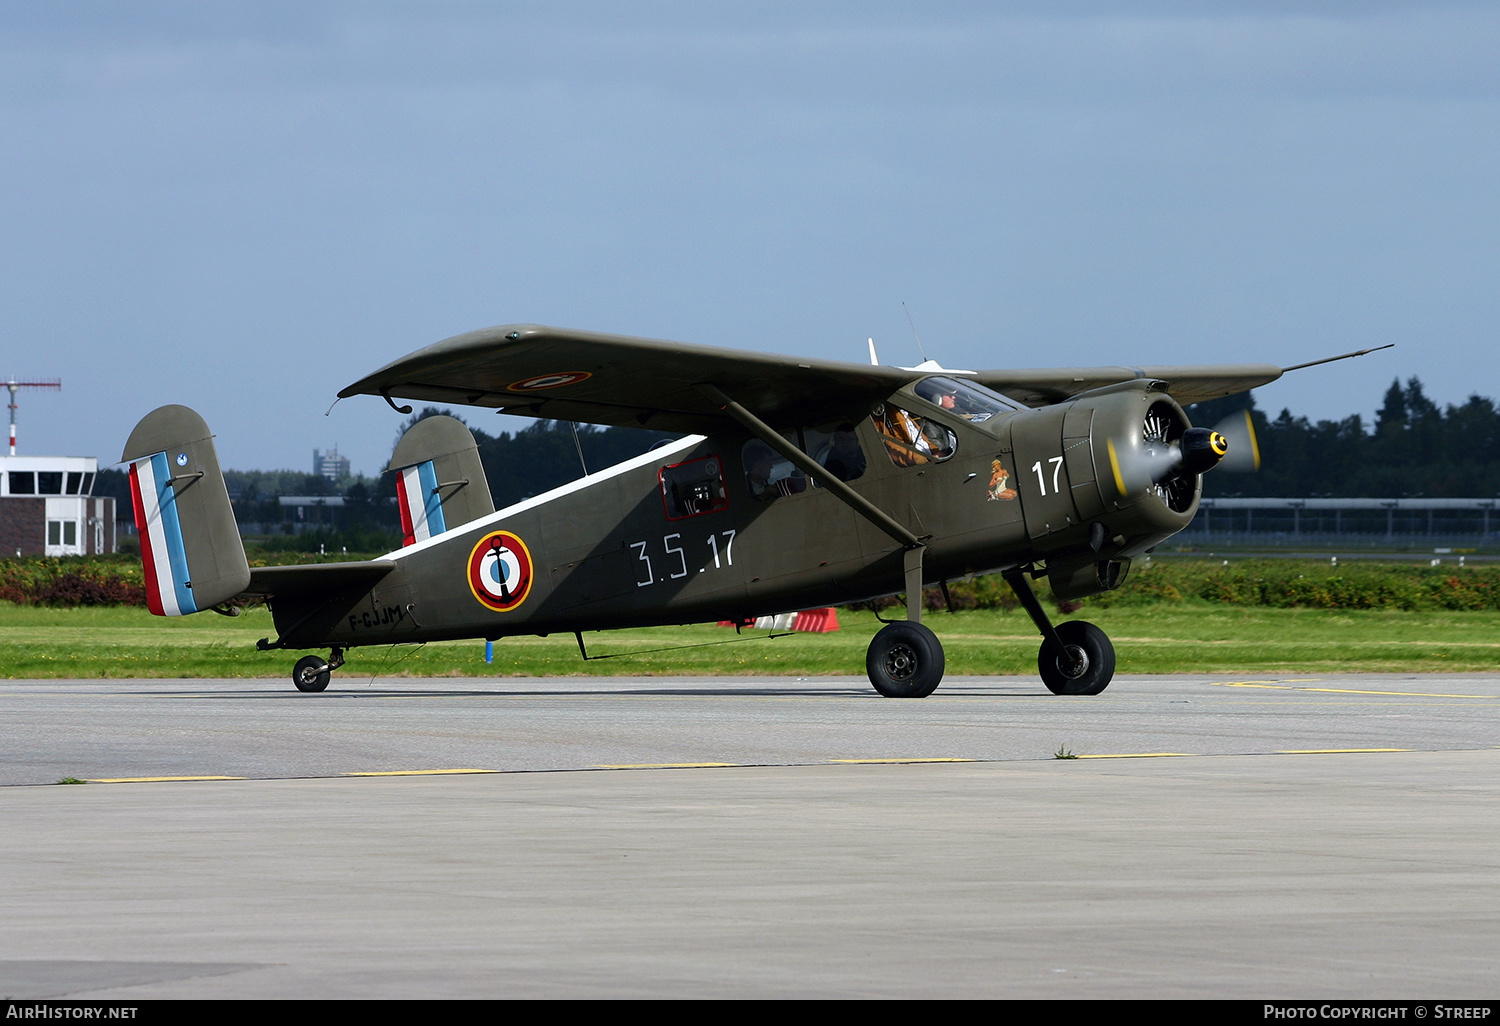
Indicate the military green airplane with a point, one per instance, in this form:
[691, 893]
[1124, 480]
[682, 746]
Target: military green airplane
[797, 484]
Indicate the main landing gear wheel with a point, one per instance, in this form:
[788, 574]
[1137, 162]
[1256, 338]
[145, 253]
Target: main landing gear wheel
[311, 673]
[1086, 664]
[905, 661]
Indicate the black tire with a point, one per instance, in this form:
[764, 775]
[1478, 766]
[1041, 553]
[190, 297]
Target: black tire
[311, 673]
[905, 660]
[1091, 662]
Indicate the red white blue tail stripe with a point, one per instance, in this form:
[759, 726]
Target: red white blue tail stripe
[167, 582]
[421, 507]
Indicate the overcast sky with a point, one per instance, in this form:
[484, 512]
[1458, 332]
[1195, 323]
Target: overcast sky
[245, 207]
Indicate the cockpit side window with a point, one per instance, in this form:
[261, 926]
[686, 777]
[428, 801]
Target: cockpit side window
[972, 402]
[694, 487]
[911, 440]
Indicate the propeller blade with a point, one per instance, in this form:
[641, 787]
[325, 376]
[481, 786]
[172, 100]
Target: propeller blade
[1244, 451]
[1138, 467]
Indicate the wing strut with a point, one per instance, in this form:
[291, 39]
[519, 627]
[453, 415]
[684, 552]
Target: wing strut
[914, 546]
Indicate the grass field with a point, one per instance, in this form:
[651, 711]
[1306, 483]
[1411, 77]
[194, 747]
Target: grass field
[1178, 637]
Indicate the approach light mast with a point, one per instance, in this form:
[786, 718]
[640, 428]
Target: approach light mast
[15, 386]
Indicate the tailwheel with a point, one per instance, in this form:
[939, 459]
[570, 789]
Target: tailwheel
[312, 672]
[1084, 666]
[905, 660]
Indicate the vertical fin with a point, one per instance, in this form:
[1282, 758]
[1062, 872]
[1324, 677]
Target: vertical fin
[190, 543]
[442, 482]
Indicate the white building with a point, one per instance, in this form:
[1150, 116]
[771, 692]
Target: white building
[47, 507]
[330, 464]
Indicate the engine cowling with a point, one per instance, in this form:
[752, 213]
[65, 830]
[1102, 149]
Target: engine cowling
[1106, 476]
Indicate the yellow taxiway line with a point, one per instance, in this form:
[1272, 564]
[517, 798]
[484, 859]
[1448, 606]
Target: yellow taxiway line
[668, 765]
[873, 762]
[151, 780]
[1340, 691]
[414, 773]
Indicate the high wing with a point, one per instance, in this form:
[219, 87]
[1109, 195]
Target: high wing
[597, 378]
[1186, 384]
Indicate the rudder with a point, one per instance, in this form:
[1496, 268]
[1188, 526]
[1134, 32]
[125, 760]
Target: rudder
[441, 482]
[190, 542]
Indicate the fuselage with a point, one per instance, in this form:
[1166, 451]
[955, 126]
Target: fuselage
[718, 527]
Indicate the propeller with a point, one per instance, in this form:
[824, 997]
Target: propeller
[1244, 451]
[1169, 455]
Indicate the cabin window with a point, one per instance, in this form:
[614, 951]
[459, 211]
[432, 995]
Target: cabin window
[49, 482]
[693, 488]
[964, 399]
[75, 480]
[837, 451]
[769, 474]
[88, 485]
[22, 482]
[911, 440]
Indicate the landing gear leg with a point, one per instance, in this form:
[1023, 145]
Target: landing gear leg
[1076, 657]
[312, 673]
[905, 659]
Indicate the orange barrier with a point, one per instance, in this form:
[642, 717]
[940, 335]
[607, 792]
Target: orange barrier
[815, 621]
[818, 621]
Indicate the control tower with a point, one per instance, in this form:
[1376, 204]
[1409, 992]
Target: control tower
[47, 507]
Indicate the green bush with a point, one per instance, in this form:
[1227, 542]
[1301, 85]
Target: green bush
[1295, 584]
[73, 581]
[118, 580]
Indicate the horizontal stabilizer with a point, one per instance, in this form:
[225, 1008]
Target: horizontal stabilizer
[311, 579]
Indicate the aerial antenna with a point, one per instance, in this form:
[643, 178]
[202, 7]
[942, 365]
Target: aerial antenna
[579, 446]
[15, 386]
[920, 348]
[874, 360]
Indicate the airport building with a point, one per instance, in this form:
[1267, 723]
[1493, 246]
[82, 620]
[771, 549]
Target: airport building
[330, 464]
[47, 507]
[1352, 522]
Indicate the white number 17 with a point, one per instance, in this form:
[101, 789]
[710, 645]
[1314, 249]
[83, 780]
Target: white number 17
[1041, 479]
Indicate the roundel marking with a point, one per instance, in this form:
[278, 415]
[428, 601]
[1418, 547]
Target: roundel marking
[500, 571]
[554, 380]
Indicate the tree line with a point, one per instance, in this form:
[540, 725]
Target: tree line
[519, 465]
[1414, 449]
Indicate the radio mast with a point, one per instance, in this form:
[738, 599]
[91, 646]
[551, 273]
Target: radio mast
[15, 386]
